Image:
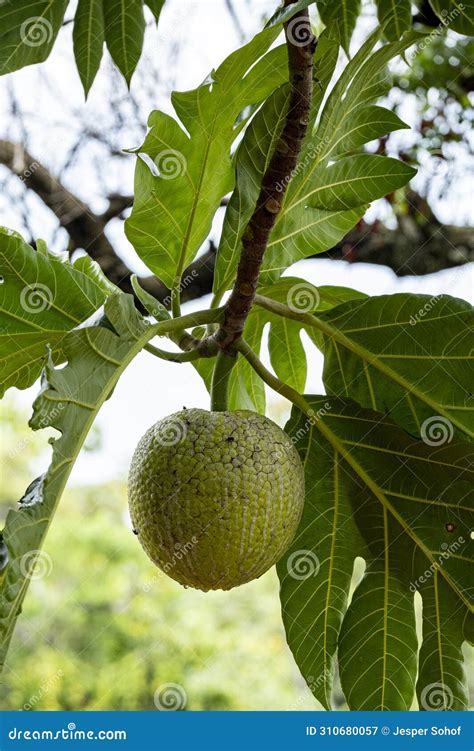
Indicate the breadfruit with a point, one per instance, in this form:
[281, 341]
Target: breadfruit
[215, 497]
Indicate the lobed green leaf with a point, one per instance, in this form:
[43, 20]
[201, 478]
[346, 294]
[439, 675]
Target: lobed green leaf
[68, 401]
[343, 16]
[456, 16]
[408, 355]
[184, 167]
[41, 298]
[28, 32]
[373, 491]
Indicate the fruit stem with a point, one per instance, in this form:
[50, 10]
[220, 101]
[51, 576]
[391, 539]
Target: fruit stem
[270, 379]
[280, 309]
[178, 325]
[225, 361]
[187, 356]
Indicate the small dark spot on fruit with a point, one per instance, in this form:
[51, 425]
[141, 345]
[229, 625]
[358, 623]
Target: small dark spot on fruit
[135, 531]
[230, 439]
[450, 527]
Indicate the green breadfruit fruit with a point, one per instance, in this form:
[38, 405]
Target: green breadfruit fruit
[215, 497]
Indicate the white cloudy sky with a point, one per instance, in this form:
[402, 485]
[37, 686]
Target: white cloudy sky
[52, 94]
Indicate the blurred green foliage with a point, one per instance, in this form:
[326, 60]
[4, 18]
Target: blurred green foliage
[105, 629]
[440, 82]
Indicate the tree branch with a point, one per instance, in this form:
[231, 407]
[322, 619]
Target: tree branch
[269, 378]
[419, 245]
[278, 173]
[86, 229]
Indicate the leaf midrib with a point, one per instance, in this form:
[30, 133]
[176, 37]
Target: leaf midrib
[22, 43]
[379, 494]
[139, 344]
[373, 359]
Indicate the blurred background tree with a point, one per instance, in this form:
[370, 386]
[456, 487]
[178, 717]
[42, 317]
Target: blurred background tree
[104, 630]
[419, 231]
[110, 637]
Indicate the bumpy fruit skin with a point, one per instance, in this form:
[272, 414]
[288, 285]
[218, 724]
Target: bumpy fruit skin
[215, 497]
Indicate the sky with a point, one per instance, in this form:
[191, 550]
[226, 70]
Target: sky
[52, 96]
